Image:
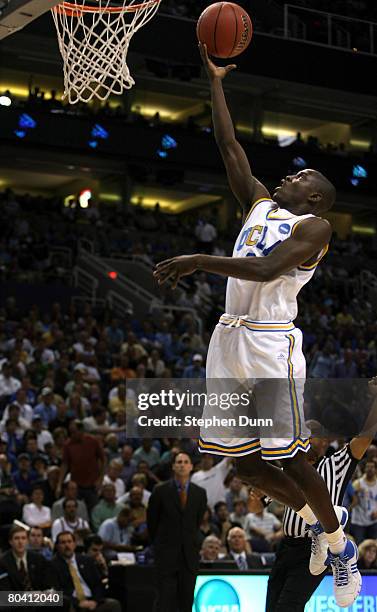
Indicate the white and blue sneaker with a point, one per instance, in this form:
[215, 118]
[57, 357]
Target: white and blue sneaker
[320, 545]
[347, 578]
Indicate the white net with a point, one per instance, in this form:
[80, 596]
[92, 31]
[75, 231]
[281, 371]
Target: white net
[93, 39]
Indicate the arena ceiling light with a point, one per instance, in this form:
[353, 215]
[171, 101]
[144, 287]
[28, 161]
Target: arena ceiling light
[5, 100]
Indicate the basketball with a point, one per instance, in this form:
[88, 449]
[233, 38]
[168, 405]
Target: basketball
[225, 28]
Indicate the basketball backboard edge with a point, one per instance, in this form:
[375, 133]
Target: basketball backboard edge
[21, 12]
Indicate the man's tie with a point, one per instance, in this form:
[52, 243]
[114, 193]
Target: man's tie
[183, 497]
[242, 563]
[76, 582]
[25, 578]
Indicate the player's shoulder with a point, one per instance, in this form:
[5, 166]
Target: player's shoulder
[314, 225]
[261, 205]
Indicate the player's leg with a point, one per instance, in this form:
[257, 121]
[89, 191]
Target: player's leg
[256, 472]
[315, 491]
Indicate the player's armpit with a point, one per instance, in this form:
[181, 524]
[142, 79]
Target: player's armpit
[311, 236]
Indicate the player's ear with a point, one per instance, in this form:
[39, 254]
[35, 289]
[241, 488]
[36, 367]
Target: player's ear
[315, 198]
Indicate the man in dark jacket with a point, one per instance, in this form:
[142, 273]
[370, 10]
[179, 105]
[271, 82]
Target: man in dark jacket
[21, 569]
[237, 547]
[78, 577]
[175, 511]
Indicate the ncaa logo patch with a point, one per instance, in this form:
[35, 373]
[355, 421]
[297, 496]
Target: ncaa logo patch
[284, 228]
[217, 596]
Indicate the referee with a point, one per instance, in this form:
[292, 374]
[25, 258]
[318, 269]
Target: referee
[291, 584]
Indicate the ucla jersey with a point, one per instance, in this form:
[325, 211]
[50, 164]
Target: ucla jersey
[266, 227]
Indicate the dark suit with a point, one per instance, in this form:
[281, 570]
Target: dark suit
[90, 574]
[40, 575]
[38, 568]
[254, 561]
[175, 535]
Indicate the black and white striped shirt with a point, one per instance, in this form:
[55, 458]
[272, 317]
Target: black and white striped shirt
[336, 471]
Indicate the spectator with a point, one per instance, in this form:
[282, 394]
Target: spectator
[364, 514]
[210, 550]
[24, 477]
[80, 451]
[118, 399]
[46, 409]
[23, 569]
[48, 485]
[79, 578]
[38, 543]
[207, 527]
[238, 516]
[262, 527]
[221, 520]
[70, 490]
[9, 507]
[94, 548]
[206, 234]
[322, 365]
[195, 370]
[62, 420]
[236, 491]
[26, 411]
[367, 555]
[8, 384]
[211, 477]
[36, 514]
[137, 491]
[115, 336]
[43, 435]
[117, 533]
[106, 508]
[148, 453]
[129, 464]
[70, 522]
[240, 551]
[135, 498]
[113, 477]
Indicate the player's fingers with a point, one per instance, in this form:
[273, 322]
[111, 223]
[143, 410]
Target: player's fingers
[230, 67]
[205, 51]
[176, 280]
[161, 264]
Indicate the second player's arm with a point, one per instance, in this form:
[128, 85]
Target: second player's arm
[311, 236]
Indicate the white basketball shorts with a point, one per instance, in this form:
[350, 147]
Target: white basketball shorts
[241, 351]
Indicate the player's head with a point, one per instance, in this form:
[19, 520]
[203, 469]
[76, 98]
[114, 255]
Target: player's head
[308, 188]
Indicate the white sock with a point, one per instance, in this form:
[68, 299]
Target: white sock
[337, 540]
[308, 515]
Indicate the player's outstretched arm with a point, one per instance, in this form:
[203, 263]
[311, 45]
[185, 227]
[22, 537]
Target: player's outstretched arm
[246, 188]
[311, 236]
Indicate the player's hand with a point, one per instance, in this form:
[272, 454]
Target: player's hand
[213, 71]
[372, 385]
[173, 269]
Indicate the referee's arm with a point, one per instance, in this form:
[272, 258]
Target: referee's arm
[360, 445]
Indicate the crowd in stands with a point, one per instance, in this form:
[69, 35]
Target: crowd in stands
[64, 403]
[201, 125]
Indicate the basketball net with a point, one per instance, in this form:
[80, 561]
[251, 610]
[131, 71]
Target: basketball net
[93, 39]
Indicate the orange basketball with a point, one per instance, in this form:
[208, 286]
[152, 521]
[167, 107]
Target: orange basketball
[225, 28]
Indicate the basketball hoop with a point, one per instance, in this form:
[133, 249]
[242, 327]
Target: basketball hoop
[94, 36]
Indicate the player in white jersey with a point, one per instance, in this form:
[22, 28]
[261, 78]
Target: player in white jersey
[281, 242]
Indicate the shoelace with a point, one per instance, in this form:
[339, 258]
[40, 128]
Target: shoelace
[341, 570]
[315, 543]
